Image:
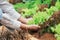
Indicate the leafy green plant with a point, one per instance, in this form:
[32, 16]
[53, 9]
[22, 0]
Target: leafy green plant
[47, 2]
[57, 36]
[29, 12]
[57, 5]
[56, 29]
[51, 10]
[40, 17]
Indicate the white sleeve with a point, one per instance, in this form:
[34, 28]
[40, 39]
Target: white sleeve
[7, 21]
[8, 8]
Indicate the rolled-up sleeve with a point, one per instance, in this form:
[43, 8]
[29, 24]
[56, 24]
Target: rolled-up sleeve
[8, 8]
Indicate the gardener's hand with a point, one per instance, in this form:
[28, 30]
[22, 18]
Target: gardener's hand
[29, 27]
[33, 27]
[24, 20]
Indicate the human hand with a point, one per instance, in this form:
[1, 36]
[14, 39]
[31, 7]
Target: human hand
[29, 27]
[24, 20]
[33, 27]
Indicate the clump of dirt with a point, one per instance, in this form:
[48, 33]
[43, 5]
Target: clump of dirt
[44, 36]
[47, 36]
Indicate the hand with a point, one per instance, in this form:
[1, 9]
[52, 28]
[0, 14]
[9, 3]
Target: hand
[24, 20]
[29, 27]
[33, 27]
[27, 20]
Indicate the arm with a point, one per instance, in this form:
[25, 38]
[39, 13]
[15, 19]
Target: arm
[14, 16]
[9, 22]
[8, 8]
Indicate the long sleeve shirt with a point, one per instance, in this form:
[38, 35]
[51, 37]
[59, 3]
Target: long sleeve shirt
[9, 16]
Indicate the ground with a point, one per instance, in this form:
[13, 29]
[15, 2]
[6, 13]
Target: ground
[6, 34]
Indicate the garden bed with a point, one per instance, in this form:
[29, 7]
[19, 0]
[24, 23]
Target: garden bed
[6, 34]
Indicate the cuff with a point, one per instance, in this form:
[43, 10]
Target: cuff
[16, 24]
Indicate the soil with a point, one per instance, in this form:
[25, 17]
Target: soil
[47, 36]
[6, 34]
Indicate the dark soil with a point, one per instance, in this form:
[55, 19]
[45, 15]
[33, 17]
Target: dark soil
[47, 36]
[6, 34]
